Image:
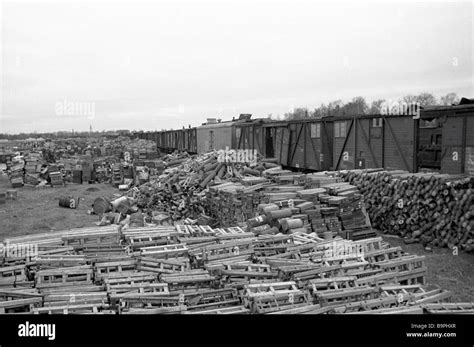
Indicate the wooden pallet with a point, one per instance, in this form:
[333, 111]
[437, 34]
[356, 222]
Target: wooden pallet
[224, 251]
[222, 310]
[20, 305]
[449, 308]
[166, 251]
[232, 233]
[212, 299]
[180, 309]
[386, 301]
[146, 301]
[283, 292]
[393, 310]
[103, 250]
[56, 299]
[73, 288]
[302, 238]
[138, 241]
[162, 266]
[58, 260]
[326, 270]
[107, 269]
[95, 308]
[13, 272]
[332, 283]
[276, 296]
[65, 276]
[121, 282]
[91, 238]
[188, 281]
[245, 271]
[382, 255]
[272, 240]
[148, 288]
[195, 230]
[340, 296]
[410, 268]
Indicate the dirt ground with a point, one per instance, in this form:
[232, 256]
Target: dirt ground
[37, 210]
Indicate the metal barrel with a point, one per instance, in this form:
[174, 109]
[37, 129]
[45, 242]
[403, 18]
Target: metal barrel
[68, 202]
[123, 207]
[101, 205]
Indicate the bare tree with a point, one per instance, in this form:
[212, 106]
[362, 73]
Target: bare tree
[376, 107]
[297, 113]
[423, 99]
[449, 99]
[356, 106]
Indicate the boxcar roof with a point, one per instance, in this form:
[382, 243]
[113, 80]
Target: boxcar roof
[440, 111]
[230, 123]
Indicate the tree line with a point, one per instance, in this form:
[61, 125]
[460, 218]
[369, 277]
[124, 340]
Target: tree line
[359, 105]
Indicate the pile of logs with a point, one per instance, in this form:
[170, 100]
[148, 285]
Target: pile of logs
[181, 189]
[434, 209]
[196, 269]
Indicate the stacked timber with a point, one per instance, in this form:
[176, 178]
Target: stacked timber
[434, 209]
[181, 190]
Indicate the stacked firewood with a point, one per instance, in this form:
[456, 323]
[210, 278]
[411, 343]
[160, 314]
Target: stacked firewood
[434, 209]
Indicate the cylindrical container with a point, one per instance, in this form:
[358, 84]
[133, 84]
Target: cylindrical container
[277, 214]
[288, 224]
[256, 221]
[267, 207]
[270, 165]
[68, 202]
[101, 205]
[271, 231]
[123, 207]
[250, 171]
[260, 229]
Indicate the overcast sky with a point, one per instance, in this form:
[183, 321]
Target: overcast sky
[168, 64]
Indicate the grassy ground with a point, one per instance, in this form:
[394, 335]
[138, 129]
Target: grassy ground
[37, 210]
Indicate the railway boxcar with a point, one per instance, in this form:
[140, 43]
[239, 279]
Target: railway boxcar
[188, 138]
[250, 135]
[445, 139]
[302, 144]
[375, 141]
[215, 134]
[276, 141]
[310, 144]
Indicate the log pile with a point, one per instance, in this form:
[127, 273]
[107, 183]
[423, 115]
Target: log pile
[196, 269]
[181, 189]
[433, 209]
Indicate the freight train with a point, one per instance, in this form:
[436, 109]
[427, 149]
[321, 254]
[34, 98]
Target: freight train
[438, 138]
